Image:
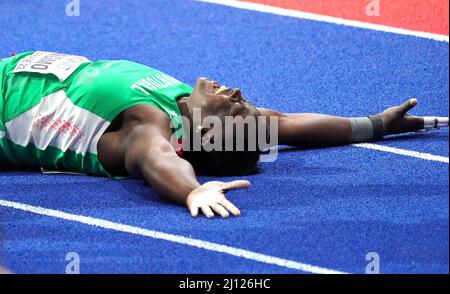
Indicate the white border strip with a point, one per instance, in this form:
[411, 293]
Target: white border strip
[325, 18]
[426, 156]
[171, 238]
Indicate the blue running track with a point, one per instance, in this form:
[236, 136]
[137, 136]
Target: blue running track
[327, 208]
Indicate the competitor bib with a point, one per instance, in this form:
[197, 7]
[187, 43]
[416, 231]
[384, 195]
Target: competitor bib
[58, 64]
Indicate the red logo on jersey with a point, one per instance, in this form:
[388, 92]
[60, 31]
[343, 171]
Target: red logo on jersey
[59, 126]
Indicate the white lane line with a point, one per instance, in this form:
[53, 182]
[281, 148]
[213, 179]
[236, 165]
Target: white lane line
[325, 18]
[426, 156]
[171, 238]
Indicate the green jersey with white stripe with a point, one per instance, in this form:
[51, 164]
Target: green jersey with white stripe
[55, 107]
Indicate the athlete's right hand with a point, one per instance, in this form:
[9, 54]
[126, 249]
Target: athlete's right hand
[210, 197]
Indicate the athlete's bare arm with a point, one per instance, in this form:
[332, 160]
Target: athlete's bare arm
[310, 129]
[148, 154]
[318, 130]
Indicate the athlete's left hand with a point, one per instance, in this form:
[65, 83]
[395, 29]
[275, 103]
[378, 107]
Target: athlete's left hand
[396, 120]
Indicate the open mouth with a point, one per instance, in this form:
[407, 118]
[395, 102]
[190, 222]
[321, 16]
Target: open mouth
[222, 89]
[219, 89]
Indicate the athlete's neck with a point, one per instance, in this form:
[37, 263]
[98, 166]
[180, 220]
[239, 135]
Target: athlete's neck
[183, 107]
[184, 111]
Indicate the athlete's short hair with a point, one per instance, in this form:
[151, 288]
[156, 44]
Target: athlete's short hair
[224, 163]
[228, 163]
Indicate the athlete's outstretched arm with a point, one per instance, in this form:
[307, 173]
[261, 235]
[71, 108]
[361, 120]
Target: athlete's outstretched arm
[318, 130]
[310, 129]
[150, 155]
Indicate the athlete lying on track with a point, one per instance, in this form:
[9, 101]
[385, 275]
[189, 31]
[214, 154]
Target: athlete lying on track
[119, 118]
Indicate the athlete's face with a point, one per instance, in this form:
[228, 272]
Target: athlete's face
[221, 101]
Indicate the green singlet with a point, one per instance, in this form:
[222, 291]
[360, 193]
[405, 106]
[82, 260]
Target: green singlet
[55, 107]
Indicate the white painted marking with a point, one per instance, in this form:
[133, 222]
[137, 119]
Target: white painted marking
[171, 238]
[426, 156]
[325, 18]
